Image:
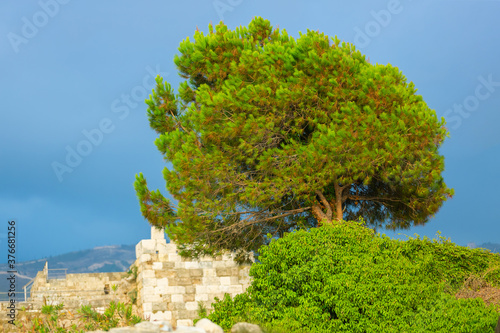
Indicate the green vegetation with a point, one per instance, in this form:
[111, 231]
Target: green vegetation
[344, 278]
[53, 319]
[270, 133]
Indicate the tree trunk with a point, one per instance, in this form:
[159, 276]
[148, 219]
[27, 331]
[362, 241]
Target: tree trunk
[338, 202]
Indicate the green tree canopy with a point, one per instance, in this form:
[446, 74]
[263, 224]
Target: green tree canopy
[269, 133]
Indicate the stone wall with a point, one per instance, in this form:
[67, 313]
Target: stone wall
[75, 290]
[170, 287]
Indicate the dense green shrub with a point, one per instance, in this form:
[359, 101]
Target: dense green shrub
[343, 278]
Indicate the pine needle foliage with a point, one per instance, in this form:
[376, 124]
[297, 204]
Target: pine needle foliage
[270, 133]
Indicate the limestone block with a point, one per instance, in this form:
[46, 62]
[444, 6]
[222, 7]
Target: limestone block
[184, 281]
[234, 279]
[190, 289]
[161, 315]
[210, 280]
[201, 297]
[189, 298]
[165, 273]
[147, 307]
[196, 272]
[178, 298]
[160, 306]
[157, 233]
[192, 264]
[160, 290]
[162, 282]
[179, 264]
[172, 281]
[201, 289]
[147, 273]
[174, 257]
[209, 272]
[176, 290]
[191, 305]
[152, 298]
[224, 289]
[177, 306]
[213, 289]
[206, 264]
[161, 248]
[142, 258]
[147, 290]
[187, 314]
[149, 282]
[225, 280]
[157, 265]
[182, 273]
[235, 289]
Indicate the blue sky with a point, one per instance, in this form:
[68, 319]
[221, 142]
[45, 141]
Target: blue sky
[74, 76]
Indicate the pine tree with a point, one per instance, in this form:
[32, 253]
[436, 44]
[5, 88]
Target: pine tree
[269, 134]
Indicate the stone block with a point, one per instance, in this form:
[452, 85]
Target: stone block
[161, 306]
[210, 272]
[162, 282]
[149, 282]
[144, 258]
[206, 264]
[147, 307]
[161, 315]
[192, 305]
[165, 274]
[174, 257]
[189, 297]
[235, 289]
[200, 289]
[196, 272]
[190, 289]
[210, 281]
[192, 264]
[147, 273]
[182, 273]
[225, 280]
[176, 290]
[184, 281]
[172, 281]
[177, 306]
[213, 289]
[178, 298]
[157, 265]
[224, 289]
[188, 314]
[201, 297]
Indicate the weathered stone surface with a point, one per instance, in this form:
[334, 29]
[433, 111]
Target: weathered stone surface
[209, 326]
[245, 328]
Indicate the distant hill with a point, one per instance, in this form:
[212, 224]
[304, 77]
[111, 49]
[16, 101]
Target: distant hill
[493, 247]
[114, 258]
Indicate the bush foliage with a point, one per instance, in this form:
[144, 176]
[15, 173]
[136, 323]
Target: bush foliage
[344, 278]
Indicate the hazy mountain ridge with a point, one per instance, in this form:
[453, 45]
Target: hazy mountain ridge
[114, 258]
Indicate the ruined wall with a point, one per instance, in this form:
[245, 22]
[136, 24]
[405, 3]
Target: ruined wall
[170, 287]
[75, 290]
